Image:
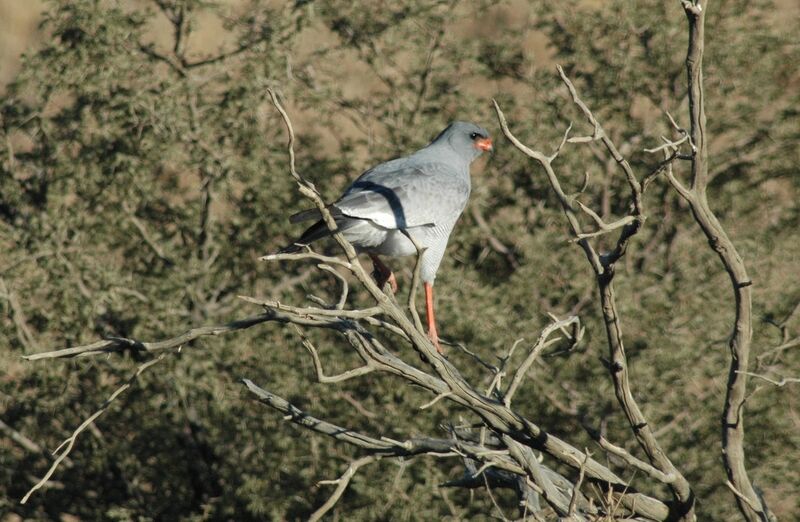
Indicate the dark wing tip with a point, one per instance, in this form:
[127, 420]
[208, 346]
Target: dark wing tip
[304, 215]
[291, 249]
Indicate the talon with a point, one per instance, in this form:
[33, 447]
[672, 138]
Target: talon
[434, 337]
[392, 280]
[383, 274]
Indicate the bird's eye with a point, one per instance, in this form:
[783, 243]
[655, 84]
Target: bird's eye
[474, 136]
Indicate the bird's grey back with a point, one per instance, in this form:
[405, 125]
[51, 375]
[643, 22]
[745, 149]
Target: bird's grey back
[419, 190]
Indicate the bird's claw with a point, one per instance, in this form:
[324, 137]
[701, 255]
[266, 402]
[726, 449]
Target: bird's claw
[381, 278]
[392, 280]
[434, 338]
[383, 274]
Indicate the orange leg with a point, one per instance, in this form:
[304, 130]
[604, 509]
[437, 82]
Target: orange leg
[433, 335]
[383, 273]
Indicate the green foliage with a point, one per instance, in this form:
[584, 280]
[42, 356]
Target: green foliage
[142, 177]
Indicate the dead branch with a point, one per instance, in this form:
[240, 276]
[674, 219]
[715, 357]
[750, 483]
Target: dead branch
[783, 382]
[525, 456]
[537, 348]
[573, 502]
[510, 448]
[327, 379]
[341, 485]
[633, 461]
[65, 447]
[604, 268]
[118, 344]
[750, 503]
[312, 311]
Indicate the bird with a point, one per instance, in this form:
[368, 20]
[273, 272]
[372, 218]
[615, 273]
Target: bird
[420, 195]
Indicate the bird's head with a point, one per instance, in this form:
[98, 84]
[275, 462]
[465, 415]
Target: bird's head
[467, 139]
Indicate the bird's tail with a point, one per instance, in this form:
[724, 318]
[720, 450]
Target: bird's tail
[316, 231]
[305, 215]
[291, 249]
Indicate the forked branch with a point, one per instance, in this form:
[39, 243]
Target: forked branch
[604, 268]
[752, 505]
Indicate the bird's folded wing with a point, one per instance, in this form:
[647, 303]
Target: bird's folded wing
[423, 195]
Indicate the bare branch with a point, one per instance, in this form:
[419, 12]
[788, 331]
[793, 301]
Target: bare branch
[741, 497]
[491, 497]
[524, 455]
[605, 228]
[604, 270]
[435, 400]
[678, 186]
[311, 311]
[600, 134]
[633, 461]
[345, 286]
[752, 506]
[783, 382]
[668, 144]
[661, 167]
[297, 416]
[494, 413]
[383, 446]
[117, 344]
[537, 348]
[67, 445]
[564, 140]
[322, 378]
[341, 485]
[566, 205]
[573, 502]
[477, 358]
[789, 343]
[307, 255]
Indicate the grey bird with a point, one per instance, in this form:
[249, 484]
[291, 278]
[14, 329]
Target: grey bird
[421, 195]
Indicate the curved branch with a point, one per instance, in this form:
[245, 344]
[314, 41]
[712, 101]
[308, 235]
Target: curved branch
[604, 268]
[341, 485]
[566, 205]
[752, 506]
[65, 447]
[540, 345]
[328, 379]
[118, 344]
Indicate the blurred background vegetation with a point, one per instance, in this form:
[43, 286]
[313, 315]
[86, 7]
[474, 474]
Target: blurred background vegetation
[143, 171]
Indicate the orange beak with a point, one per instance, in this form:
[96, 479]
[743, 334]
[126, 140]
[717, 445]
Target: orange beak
[484, 144]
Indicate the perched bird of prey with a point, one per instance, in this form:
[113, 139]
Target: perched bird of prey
[421, 195]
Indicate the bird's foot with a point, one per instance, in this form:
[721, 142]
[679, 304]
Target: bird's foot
[382, 278]
[433, 335]
[392, 280]
[383, 274]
